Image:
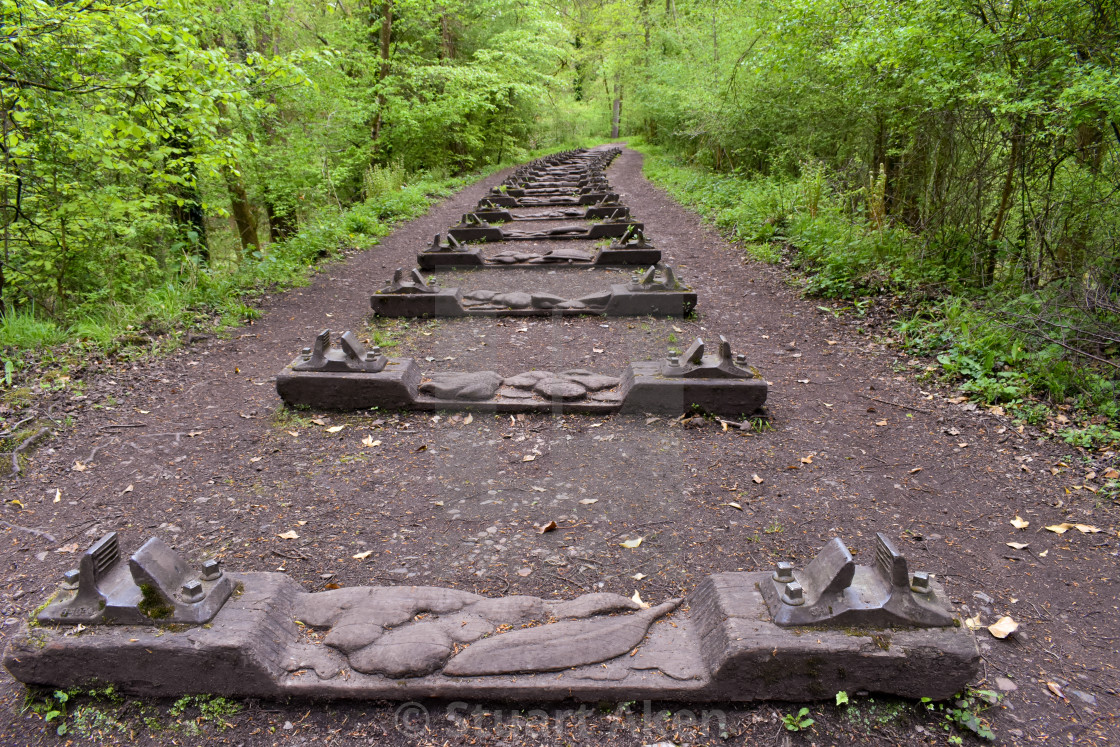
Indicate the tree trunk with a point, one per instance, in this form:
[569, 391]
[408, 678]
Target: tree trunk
[242, 213]
[385, 38]
[989, 269]
[280, 225]
[616, 108]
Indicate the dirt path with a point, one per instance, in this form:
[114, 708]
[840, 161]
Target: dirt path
[198, 450]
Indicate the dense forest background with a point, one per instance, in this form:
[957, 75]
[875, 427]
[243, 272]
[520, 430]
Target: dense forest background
[161, 158]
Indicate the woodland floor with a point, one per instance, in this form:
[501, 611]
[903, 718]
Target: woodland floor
[197, 448]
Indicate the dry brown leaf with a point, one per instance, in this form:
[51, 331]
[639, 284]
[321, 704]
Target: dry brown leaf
[733, 504]
[631, 544]
[1017, 545]
[807, 459]
[362, 555]
[638, 576]
[880, 423]
[335, 428]
[289, 535]
[293, 434]
[549, 527]
[1086, 528]
[757, 479]
[916, 470]
[254, 460]
[369, 442]
[127, 490]
[1003, 627]
[1111, 474]
[318, 421]
[973, 623]
[528, 457]
[588, 501]
[1019, 523]
[1055, 688]
[79, 467]
[637, 599]
[832, 342]
[468, 420]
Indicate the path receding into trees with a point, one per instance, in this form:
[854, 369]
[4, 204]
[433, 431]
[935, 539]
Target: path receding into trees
[197, 449]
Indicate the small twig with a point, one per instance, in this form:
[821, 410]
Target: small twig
[896, 404]
[39, 532]
[50, 415]
[15, 427]
[289, 557]
[27, 442]
[123, 425]
[569, 581]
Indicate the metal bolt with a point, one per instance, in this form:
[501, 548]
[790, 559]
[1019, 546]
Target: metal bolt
[794, 595]
[674, 360]
[375, 351]
[192, 591]
[740, 358]
[70, 579]
[919, 583]
[370, 355]
[305, 354]
[211, 570]
[784, 573]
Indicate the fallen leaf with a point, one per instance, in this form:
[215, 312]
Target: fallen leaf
[1003, 627]
[468, 420]
[963, 445]
[588, 501]
[254, 460]
[1019, 523]
[369, 442]
[1017, 545]
[318, 421]
[757, 479]
[677, 329]
[528, 457]
[826, 404]
[418, 449]
[293, 434]
[631, 544]
[916, 470]
[596, 350]
[1086, 528]
[127, 490]
[807, 459]
[638, 576]
[880, 423]
[289, 535]
[637, 599]
[1059, 528]
[335, 428]
[1055, 688]
[1044, 553]
[802, 381]
[651, 421]
[539, 489]
[549, 527]
[733, 504]
[79, 467]
[1111, 474]
[72, 547]
[832, 342]
[524, 571]
[362, 555]
[58, 495]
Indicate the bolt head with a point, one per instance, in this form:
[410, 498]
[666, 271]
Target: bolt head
[211, 570]
[70, 578]
[306, 353]
[192, 590]
[794, 595]
[740, 358]
[783, 573]
[674, 360]
[919, 583]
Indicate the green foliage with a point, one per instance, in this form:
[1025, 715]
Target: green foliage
[964, 712]
[842, 698]
[799, 721]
